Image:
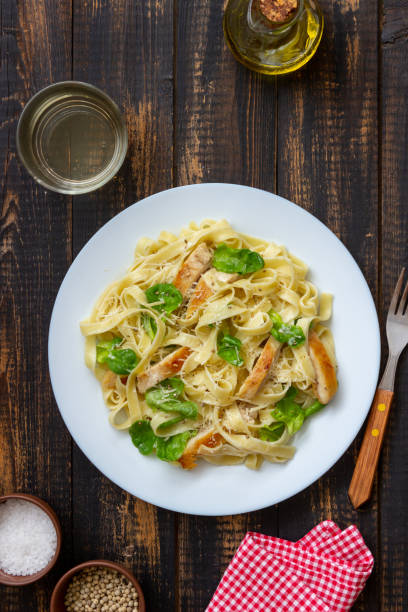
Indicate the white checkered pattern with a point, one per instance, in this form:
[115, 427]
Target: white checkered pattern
[325, 571]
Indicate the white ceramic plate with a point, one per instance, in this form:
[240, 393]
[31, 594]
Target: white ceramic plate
[208, 489]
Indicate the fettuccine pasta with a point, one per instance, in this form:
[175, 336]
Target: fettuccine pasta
[212, 346]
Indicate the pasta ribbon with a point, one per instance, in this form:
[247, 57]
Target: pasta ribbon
[227, 429]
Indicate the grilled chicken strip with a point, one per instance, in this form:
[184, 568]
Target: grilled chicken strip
[326, 380]
[204, 290]
[193, 267]
[261, 369]
[207, 438]
[169, 366]
[201, 294]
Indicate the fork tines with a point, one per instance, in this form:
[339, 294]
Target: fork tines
[398, 303]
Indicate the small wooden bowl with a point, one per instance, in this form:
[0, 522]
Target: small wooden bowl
[11, 580]
[58, 594]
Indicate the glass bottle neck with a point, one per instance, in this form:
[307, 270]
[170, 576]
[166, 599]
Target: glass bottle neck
[261, 25]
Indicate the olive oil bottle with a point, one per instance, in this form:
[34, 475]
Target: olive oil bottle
[273, 36]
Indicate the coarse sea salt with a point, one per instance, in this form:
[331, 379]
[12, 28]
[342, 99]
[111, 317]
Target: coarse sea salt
[28, 539]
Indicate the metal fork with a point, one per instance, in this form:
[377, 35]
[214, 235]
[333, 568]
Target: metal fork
[397, 335]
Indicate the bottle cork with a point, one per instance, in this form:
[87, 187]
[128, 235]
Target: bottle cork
[273, 37]
[278, 11]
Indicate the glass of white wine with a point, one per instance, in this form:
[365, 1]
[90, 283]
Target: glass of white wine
[71, 137]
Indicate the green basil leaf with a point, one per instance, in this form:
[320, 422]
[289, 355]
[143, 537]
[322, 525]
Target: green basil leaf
[292, 415]
[149, 325]
[229, 349]
[143, 436]
[272, 432]
[296, 336]
[291, 334]
[170, 423]
[167, 390]
[171, 449]
[122, 361]
[103, 348]
[275, 318]
[188, 409]
[313, 408]
[289, 412]
[290, 393]
[173, 383]
[236, 261]
[169, 297]
[166, 397]
[167, 449]
[279, 335]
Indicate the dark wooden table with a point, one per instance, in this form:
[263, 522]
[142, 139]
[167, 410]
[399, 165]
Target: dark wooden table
[331, 137]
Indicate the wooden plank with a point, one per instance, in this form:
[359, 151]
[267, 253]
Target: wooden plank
[225, 120]
[225, 131]
[111, 524]
[327, 163]
[206, 546]
[393, 472]
[35, 447]
[125, 48]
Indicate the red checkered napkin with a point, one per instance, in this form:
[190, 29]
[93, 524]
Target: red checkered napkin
[325, 571]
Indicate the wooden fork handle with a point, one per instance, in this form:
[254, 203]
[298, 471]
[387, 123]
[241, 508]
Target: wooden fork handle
[366, 466]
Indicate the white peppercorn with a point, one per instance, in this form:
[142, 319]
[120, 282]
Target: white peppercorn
[100, 589]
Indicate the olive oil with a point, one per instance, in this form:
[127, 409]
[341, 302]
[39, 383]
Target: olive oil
[273, 47]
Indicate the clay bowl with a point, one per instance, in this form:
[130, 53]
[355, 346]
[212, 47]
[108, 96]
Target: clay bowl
[58, 594]
[11, 580]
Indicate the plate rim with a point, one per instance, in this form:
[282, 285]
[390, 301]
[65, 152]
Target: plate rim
[246, 507]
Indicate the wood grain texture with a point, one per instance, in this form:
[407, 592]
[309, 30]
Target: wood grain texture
[125, 48]
[35, 449]
[194, 114]
[328, 164]
[367, 461]
[219, 133]
[393, 465]
[225, 131]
